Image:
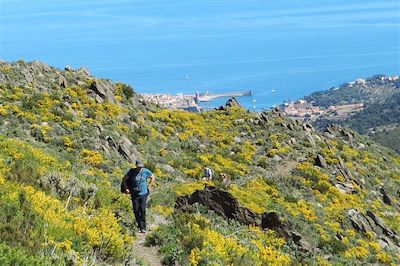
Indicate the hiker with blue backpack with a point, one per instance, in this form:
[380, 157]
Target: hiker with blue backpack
[135, 184]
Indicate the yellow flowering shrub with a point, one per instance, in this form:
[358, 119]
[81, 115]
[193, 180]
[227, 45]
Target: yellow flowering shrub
[255, 195]
[91, 157]
[3, 110]
[301, 208]
[189, 188]
[163, 210]
[357, 251]
[101, 230]
[218, 248]
[67, 141]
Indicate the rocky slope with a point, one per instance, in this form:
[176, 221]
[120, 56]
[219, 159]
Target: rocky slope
[294, 194]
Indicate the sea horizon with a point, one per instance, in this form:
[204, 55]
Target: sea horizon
[292, 48]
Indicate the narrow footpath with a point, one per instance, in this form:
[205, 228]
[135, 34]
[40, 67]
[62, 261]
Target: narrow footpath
[148, 254]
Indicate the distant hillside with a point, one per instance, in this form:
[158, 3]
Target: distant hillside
[380, 117]
[293, 195]
[371, 90]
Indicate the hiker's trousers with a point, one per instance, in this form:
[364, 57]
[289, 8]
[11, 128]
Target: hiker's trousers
[139, 208]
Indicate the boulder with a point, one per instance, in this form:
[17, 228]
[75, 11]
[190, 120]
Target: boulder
[310, 139]
[127, 150]
[104, 90]
[35, 64]
[385, 197]
[237, 140]
[381, 226]
[345, 188]
[340, 131]
[224, 204]
[308, 127]
[359, 221]
[320, 161]
[232, 102]
[62, 81]
[370, 222]
[166, 167]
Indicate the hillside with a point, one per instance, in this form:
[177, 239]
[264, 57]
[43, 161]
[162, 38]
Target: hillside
[294, 195]
[378, 88]
[379, 115]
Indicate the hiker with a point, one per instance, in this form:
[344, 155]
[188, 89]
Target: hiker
[208, 173]
[223, 178]
[135, 183]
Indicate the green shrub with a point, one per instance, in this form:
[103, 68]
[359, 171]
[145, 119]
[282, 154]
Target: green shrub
[15, 256]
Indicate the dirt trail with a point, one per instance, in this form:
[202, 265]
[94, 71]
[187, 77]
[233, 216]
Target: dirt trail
[148, 254]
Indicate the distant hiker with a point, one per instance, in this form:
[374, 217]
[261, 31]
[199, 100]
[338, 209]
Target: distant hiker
[135, 183]
[223, 178]
[208, 173]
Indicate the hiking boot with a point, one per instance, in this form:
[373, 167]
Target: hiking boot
[143, 231]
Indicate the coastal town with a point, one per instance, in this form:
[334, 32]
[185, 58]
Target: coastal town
[174, 102]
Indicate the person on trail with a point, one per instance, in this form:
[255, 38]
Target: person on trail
[208, 173]
[223, 178]
[135, 183]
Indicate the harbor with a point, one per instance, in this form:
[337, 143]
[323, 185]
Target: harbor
[196, 102]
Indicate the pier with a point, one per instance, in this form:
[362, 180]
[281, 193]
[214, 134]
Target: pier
[206, 97]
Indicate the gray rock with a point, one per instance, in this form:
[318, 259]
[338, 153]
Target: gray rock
[370, 222]
[166, 167]
[220, 201]
[308, 127]
[310, 139]
[359, 221]
[345, 188]
[40, 66]
[277, 158]
[83, 71]
[127, 150]
[320, 161]
[237, 140]
[112, 143]
[104, 90]
[62, 81]
[290, 126]
[379, 223]
[385, 197]
[361, 146]
[238, 121]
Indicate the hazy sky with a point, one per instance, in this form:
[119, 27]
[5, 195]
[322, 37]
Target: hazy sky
[220, 45]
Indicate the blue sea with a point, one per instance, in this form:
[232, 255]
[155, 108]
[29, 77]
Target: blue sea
[291, 47]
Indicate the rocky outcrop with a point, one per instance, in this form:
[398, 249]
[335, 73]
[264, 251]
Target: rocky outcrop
[62, 81]
[224, 204]
[340, 132]
[369, 222]
[385, 197]
[345, 188]
[320, 161]
[273, 222]
[232, 102]
[104, 90]
[127, 150]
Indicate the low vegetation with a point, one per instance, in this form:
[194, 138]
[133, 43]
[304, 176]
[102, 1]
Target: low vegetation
[64, 148]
